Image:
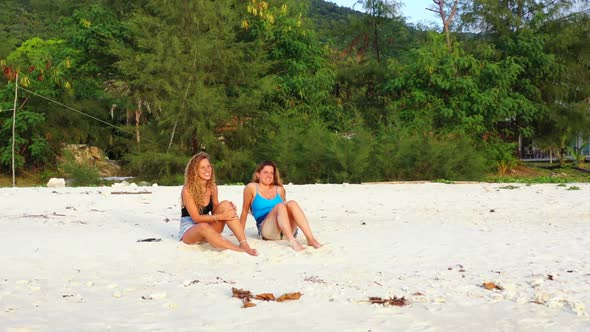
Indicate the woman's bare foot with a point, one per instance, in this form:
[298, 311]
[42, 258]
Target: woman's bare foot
[244, 246]
[295, 245]
[314, 243]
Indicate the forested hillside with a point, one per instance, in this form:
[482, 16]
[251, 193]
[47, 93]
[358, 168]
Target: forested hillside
[332, 94]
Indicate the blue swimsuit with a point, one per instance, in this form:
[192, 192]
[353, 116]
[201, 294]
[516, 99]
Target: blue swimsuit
[261, 206]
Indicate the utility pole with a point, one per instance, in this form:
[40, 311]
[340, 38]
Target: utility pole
[13, 128]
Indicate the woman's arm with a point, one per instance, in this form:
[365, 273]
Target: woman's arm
[215, 197]
[283, 193]
[193, 209]
[223, 214]
[249, 192]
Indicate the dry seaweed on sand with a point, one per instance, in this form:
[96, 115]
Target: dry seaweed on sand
[392, 301]
[289, 296]
[247, 297]
[491, 286]
[244, 295]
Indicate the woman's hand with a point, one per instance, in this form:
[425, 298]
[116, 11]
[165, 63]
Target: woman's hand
[227, 214]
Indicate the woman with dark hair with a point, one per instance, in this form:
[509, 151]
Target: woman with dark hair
[203, 217]
[275, 217]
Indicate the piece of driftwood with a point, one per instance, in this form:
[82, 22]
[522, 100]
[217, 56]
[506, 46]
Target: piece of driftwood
[54, 214]
[151, 239]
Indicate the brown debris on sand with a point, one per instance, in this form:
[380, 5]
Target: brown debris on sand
[247, 297]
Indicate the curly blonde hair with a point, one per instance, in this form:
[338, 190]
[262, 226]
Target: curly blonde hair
[277, 176]
[191, 182]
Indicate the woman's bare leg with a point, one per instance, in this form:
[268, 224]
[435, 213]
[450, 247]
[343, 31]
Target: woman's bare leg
[296, 214]
[235, 226]
[204, 232]
[278, 219]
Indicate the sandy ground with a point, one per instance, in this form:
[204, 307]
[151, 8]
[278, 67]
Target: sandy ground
[70, 261]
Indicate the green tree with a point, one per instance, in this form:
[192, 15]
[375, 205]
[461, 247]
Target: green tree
[378, 13]
[446, 14]
[373, 37]
[503, 19]
[568, 117]
[192, 65]
[16, 22]
[44, 67]
[457, 92]
[299, 65]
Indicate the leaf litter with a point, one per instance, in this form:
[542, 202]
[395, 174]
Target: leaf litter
[247, 297]
[491, 286]
[392, 301]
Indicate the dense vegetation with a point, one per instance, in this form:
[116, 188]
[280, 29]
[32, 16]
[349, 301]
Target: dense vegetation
[332, 94]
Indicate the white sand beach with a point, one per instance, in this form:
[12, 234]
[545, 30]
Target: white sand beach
[70, 261]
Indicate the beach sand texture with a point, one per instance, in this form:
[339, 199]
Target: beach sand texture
[70, 261]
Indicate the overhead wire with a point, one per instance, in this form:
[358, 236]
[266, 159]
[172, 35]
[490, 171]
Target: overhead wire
[83, 113]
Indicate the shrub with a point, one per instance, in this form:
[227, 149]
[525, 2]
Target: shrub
[406, 155]
[233, 166]
[164, 168]
[78, 175]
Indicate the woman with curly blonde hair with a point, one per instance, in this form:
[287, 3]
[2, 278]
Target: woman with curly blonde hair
[276, 218]
[203, 217]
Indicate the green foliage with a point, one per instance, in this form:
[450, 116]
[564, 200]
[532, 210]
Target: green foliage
[298, 63]
[332, 94]
[78, 175]
[578, 154]
[301, 148]
[537, 179]
[329, 20]
[181, 68]
[43, 66]
[91, 31]
[233, 166]
[509, 187]
[503, 18]
[568, 116]
[407, 155]
[548, 39]
[377, 28]
[14, 28]
[307, 151]
[364, 46]
[574, 188]
[163, 168]
[501, 155]
[456, 91]
[30, 146]
[6, 156]
[47, 174]
[352, 153]
[360, 92]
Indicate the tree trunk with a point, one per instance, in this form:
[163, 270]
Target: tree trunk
[137, 119]
[14, 129]
[183, 103]
[195, 142]
[376, 35]
[446, 21]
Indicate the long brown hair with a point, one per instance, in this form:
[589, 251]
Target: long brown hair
[191, 181]
[277, 176]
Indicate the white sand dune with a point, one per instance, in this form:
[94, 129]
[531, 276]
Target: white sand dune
[70, 261]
